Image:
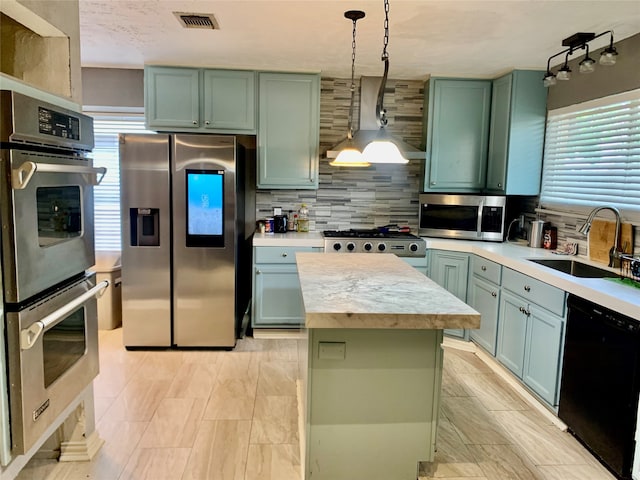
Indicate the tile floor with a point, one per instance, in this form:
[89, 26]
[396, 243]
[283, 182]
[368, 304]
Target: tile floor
[209, 415]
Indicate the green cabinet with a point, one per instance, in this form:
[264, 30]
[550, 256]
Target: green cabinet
[518, 114]
[450, 270]
[229, 100]
[484, 296]
[457, 133]
[200, 100]
[277, 298]
[530, 336]
[172, 98]
[288, 131]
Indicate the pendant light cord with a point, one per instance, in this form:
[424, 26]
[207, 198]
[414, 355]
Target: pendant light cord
[380, 111]
[353, 84]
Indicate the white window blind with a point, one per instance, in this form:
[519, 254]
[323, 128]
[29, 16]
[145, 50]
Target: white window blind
[107, 195]
[592, 155]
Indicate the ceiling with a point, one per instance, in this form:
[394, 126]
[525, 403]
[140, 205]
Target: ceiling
[454, 37]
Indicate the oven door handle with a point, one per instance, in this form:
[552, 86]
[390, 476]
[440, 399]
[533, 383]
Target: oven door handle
[21, 176]
[29, 336]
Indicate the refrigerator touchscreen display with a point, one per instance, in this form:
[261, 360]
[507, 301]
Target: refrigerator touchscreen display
[205, 208]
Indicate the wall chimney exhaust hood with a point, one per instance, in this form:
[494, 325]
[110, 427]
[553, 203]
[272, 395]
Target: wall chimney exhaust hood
[369, 128]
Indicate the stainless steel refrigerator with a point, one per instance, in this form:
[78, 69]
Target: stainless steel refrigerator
[188, 214]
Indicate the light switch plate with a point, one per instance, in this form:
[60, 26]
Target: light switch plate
[332, 350]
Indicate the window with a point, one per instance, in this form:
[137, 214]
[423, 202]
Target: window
[592, 155]
[107, 195]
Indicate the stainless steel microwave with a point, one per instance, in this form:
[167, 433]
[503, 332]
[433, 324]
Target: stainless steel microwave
[469, 217]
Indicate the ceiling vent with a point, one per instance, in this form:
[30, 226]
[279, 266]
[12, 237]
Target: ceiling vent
[197, 20]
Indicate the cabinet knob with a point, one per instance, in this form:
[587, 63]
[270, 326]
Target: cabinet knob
[284, 254]
[527, 288]
[433, 183]
[258, 272]
[483, 268]
[195, 122]
[207, 122]
[499, 185]
[494, 294]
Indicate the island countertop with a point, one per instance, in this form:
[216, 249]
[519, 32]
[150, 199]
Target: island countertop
[360, 290]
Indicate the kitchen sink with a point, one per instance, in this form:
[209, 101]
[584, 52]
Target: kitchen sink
[575, 268]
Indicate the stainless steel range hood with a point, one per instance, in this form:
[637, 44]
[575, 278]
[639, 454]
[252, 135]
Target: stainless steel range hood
[369, 127]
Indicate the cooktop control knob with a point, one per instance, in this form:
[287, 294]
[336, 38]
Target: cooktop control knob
[337, 247]
[382, 247]
[367, 246]
[413, 247]
[351, 246]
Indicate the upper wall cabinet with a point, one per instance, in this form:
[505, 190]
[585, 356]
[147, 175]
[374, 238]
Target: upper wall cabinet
[288, 131]
[457, 133]
[204, 100]
[518, 112]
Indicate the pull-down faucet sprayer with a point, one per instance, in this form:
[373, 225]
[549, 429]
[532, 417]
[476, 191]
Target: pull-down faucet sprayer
[614, 254]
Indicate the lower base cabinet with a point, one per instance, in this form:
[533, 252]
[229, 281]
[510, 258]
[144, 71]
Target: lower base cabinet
[277, 299]
[484, 297]
[530, 341]
[450, 270]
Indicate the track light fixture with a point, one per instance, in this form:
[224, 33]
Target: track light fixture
[576, 42]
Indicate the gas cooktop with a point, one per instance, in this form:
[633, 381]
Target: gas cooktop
[367, 233]
[403, 244]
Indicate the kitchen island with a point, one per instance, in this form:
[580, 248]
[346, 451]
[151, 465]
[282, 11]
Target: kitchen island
[372, 367]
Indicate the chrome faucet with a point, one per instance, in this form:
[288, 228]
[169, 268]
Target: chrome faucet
[614, 254]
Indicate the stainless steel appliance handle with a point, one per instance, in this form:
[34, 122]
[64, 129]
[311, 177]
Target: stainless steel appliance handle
[29, 336]
[21, 176]
[479, 224]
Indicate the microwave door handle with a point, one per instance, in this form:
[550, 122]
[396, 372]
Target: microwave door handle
[479, 226]
[29, 336]
[21, 176]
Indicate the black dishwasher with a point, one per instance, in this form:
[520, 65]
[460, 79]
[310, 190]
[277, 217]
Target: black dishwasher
[600, 382]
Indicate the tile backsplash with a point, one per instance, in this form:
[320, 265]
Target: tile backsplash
[359, 197]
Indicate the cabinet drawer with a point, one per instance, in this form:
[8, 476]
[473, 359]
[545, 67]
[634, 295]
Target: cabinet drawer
[487, 269]
[280, 254]
[551, 298]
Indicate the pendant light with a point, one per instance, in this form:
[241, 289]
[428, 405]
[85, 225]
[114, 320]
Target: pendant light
[382, 149]
[350, 156]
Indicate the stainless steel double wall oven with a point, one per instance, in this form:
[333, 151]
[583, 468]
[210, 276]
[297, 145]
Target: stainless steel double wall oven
[46, 211]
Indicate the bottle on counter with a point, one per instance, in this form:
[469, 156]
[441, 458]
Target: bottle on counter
[291, 224]
[303, 218]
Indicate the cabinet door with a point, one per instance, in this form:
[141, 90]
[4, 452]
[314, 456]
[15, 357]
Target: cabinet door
[485, 298]
[458, 133]
[450, 270]
[277, 296]
[543, 352]
[288, 131]
[229, 100]
[512, 330]
[172, 97]
[499, 136]
[518, 119]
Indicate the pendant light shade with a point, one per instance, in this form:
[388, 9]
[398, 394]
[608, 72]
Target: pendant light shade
[383, 150]
[349, 156]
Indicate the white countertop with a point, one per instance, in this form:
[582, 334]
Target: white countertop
[621, 298]
[361, 290]
[289, 239]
